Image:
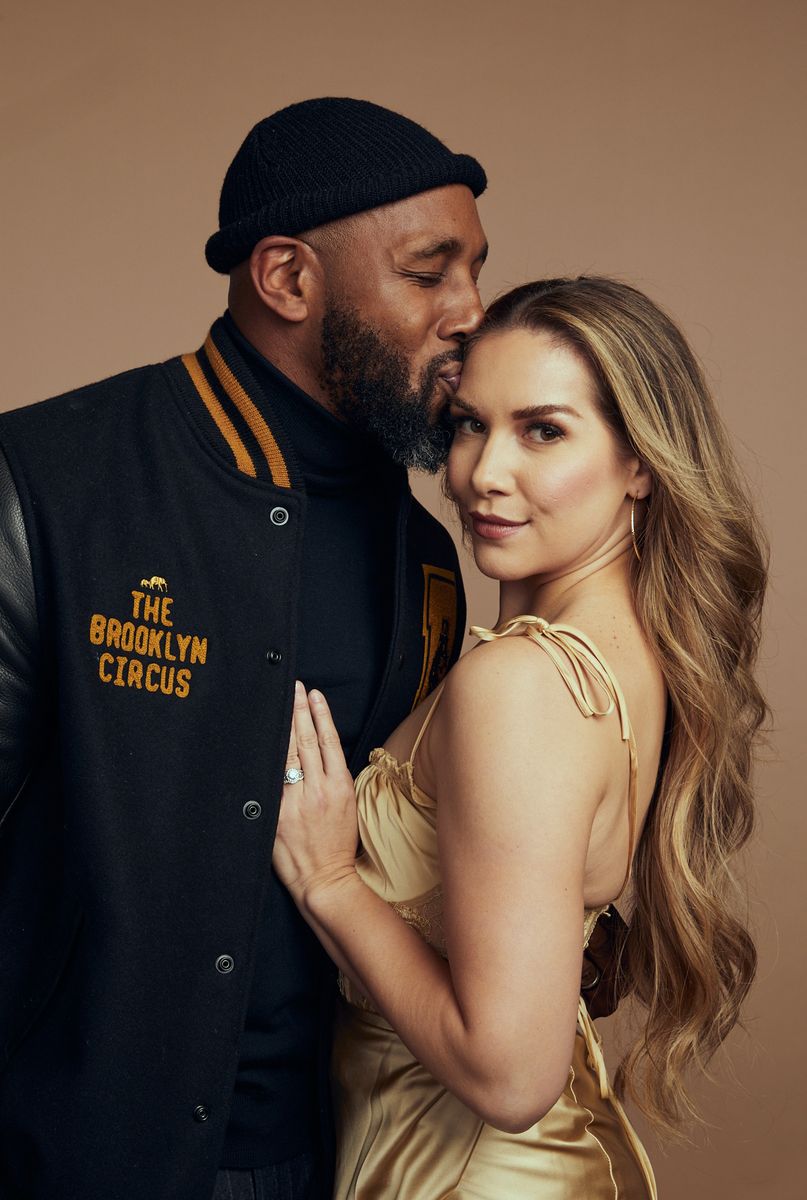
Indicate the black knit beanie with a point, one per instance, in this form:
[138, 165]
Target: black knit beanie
[322, 159]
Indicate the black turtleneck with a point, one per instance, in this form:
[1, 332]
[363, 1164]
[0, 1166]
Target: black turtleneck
[345, 597]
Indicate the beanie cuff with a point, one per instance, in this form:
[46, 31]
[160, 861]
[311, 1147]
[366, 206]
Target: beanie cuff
[297, 213]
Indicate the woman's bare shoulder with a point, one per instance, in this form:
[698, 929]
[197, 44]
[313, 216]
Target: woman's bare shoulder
[505, 663]
[503, 689]
[617, 635]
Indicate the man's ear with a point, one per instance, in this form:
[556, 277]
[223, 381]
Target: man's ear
[286, 275]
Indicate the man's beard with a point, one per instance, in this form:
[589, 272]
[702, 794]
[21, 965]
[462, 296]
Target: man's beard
[368, 381]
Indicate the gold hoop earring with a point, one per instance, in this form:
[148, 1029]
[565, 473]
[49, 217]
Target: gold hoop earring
[633, 528]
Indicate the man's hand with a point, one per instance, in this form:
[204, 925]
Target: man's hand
[599, 983]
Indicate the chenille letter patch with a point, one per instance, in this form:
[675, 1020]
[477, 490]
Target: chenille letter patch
[143, 649]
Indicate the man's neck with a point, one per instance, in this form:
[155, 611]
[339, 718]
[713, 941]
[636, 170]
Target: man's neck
[329, 452]
[285, 353]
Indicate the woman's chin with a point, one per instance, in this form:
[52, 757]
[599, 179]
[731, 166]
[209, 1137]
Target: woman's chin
[500, 570]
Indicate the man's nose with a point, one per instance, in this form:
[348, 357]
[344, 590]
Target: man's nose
[465, 315]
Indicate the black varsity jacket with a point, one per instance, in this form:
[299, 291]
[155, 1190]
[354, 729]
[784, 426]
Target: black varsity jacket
[144, 718]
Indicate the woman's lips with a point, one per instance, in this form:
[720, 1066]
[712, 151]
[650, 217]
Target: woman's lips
[494, 528]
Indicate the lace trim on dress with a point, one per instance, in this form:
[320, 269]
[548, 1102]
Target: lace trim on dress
[425, 915]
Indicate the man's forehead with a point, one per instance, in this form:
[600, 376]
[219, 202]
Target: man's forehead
[441, 221]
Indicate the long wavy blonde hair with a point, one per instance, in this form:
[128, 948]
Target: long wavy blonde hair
[698, 589]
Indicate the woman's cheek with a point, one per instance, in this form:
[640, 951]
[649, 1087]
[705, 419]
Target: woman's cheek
[457, 470]
[570, 484]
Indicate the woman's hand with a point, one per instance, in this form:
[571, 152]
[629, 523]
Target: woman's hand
[317, 832]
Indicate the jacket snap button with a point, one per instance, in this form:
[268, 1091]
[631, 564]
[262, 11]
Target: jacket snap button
[279, 516]
[224, 964]
[201, 1112]
[252, 810]
[274, 656]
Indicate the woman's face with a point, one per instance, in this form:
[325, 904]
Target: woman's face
[542, 482]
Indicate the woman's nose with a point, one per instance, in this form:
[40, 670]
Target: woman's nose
[492, 472]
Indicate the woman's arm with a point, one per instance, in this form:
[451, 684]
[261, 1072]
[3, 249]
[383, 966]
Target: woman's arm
[519, 777]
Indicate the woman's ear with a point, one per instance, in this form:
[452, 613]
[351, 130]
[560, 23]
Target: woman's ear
[640, 480]
[286, 276]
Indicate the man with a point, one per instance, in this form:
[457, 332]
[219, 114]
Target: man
[180, 543]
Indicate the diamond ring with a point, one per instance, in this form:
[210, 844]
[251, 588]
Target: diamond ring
[293, 775]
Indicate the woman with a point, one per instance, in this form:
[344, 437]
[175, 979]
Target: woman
[505, 814]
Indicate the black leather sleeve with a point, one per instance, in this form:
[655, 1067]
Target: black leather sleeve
[19, 638]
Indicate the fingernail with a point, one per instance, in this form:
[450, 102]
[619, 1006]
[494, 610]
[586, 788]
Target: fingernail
[298, 688]
[316, 697]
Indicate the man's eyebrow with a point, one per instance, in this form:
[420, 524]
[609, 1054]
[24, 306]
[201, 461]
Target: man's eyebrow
[449, 245]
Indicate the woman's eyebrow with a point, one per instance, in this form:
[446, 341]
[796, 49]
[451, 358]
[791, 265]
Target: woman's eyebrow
[544, 410]
[541, 411]
[465, 405]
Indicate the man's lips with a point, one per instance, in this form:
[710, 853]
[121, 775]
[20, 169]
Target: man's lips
[451, 375]
[489, 525]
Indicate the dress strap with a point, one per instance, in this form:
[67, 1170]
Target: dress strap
[596, 1062]
[593, 685]
[425, 724]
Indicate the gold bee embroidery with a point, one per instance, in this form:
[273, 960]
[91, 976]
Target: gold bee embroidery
[156, 581]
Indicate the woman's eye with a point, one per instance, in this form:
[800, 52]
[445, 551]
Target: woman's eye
[545, 433]
[463, 424]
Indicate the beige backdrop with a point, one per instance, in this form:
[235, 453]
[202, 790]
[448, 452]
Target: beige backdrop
[659, 141]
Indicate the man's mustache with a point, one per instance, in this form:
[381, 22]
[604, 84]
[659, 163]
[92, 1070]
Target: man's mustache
[449, 358]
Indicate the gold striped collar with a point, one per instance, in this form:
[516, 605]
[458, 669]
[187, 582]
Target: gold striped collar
[235, 415]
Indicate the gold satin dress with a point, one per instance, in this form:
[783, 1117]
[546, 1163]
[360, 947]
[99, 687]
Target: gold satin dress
[400, 1134]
